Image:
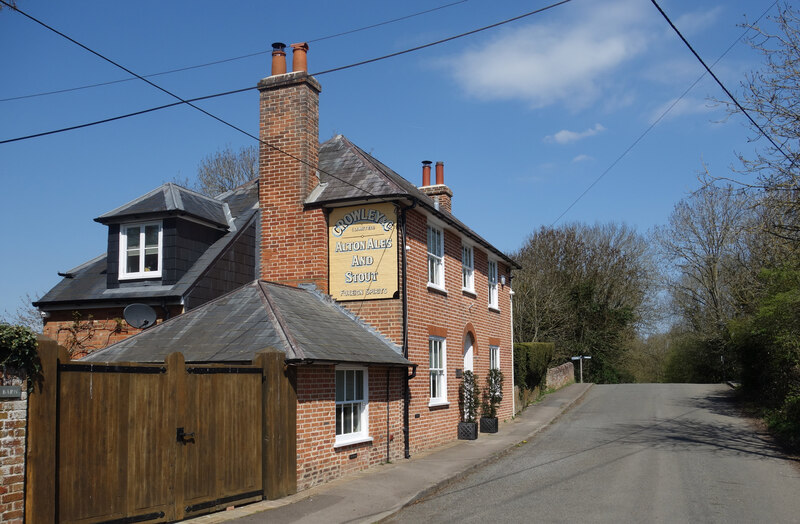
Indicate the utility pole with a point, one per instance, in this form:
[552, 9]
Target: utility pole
[582, 358]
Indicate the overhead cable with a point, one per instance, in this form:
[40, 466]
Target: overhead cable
[232, 59]
[225, 93]
[657, 120]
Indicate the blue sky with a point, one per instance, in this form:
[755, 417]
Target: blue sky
[525, 116]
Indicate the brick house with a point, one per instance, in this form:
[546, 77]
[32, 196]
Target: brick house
[331, 228]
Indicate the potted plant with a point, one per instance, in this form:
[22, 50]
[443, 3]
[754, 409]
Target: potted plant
[492, 396]
[468, 394]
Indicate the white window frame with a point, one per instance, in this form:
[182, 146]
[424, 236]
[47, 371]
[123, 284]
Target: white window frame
[123, 251]
[435, 247]
[494, 357]
[491, 274]
[467, 268]
[351, 437]
[437, 370]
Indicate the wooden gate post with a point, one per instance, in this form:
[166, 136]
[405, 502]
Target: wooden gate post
[40, 463]
[279, 425]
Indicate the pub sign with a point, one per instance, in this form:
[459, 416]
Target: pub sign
[362, 244]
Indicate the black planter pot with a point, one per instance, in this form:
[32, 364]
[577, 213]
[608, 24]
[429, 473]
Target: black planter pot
[467, 430]
[488, 425]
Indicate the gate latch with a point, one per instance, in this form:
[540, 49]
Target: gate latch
[183, 438]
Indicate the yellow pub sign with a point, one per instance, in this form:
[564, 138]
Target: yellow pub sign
[362, 245]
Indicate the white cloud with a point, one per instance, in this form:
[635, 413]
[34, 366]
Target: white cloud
[696, 21]
[581, 158]
[685, 106]
[565, 136]
[567, 61]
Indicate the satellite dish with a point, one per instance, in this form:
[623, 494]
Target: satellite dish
[140, 316]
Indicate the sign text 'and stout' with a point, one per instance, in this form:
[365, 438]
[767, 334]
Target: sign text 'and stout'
[362, 244]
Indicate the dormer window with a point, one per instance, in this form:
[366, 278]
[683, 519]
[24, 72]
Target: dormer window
[140, 250]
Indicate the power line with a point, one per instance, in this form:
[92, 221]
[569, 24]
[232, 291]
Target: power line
[232, 59]
[225, 93]
[730, 95]
[181, 100]
[657, 120]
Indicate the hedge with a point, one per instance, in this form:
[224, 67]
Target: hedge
[530, 363]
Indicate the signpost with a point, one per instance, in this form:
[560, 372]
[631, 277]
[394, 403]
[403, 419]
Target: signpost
[582, 358]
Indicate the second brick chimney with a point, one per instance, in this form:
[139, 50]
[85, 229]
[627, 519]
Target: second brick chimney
[441, 194]
[288, 162]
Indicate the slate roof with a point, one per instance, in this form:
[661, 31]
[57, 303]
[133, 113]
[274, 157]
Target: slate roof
[170, 199]
[306, 325]
[88, 283]
[347, 173]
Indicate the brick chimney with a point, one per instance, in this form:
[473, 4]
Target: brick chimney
[291, 236]
[441, 194]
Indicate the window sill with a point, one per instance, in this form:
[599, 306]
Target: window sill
[494, 308]
[148, 275]
[437, 289]
[470, 292]
[438, 403]
[351, 441]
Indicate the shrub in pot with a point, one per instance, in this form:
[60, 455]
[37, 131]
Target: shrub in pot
[492, 396]
[468, 394]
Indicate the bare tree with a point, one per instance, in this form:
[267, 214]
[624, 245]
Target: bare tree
[704, 243]
[25, 315]
[769, 95]
[224, 170]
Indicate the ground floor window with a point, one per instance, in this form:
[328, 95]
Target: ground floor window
[438, 369]
[351, 404]
[494, 357]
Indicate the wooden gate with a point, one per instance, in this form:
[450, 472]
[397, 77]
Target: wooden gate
[150, 442]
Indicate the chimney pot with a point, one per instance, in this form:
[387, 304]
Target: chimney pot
[299, 57]
[426, 173]
[278, 58]
[439, 173]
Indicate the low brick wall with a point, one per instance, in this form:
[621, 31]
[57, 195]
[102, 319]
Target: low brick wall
[560, 376]
[13, 421]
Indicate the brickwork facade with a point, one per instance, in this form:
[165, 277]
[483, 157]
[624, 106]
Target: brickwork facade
[13, 421]
[319, 459]
[94, 329]
[452, 315]
[289, 123]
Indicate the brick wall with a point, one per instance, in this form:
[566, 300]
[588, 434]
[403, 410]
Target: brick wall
[98, 328]
[452, 315]
[13, 419]
[289, 124]
[318, 459]
[560, 376]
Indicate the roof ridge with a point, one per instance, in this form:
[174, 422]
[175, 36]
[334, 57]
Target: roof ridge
[291, 342]
[370, 160]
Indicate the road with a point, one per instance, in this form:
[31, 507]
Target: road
[631, 453]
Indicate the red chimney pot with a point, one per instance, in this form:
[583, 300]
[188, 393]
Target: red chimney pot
[278, 58]
[439, 173]
[299, 58]
[426, 173]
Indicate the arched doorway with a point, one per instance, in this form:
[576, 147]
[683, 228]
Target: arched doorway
[469, 344]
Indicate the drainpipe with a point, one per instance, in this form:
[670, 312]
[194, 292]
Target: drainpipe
[407, 389]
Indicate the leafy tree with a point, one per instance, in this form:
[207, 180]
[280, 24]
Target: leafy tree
[587, 289]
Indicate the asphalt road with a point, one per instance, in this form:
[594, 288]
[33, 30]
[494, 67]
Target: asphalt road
[631, 453]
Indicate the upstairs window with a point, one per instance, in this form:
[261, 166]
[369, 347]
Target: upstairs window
[492, 284]
[467, 268]
[140, 250]
[435, 257]
[438, 370]
[351, 405]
